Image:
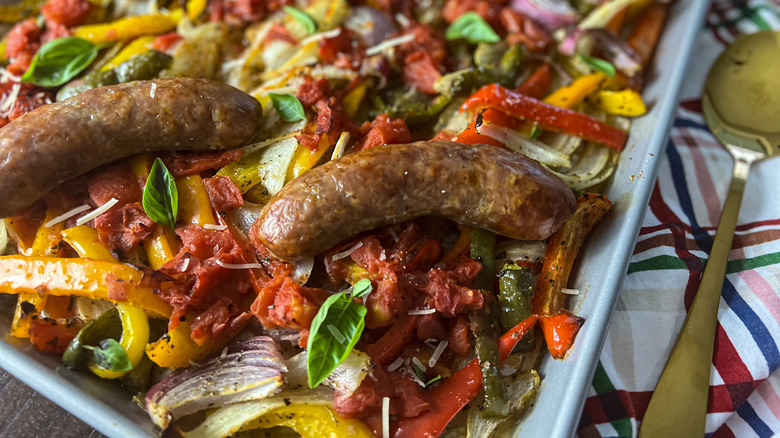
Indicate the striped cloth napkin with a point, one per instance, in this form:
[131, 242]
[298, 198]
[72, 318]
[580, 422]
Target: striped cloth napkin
[675, 240]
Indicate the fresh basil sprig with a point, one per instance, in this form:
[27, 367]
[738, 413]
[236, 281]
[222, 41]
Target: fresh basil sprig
[599, 65]
[303, 18]
[473, 28]
[59, 61]
[288, 106]
[109, 355]
[334, 332]
[161, 199]
[421, 376]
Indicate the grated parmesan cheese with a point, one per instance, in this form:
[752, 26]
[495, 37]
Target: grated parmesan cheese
[185, 265]
[417, 362]
[347, 253]
[341, 145]
[215, 227]
[97, 212]
[402, 20]
[321, 36]
[152, 89]
[67, 215]
[385, 417]
[422, 311]
[437, 353]
[389, 44]
[396, 364]
[8, 103]
[568, 291]
[239, 265]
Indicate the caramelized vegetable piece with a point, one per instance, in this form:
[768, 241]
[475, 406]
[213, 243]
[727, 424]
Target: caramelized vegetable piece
[194, 202]
[311, 421]
[572, 94]
[135, 335]
[548, 116]
[508, 341]
[177, 349]
[647, 30]
[559, 331]
[562, 250]
[117, 282]
[390, 345]
[129, 27]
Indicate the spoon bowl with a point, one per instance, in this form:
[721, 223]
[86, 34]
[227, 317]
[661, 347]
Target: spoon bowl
[741, 104]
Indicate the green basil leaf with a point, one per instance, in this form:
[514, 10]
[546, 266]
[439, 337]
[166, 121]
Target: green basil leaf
[303, 18]
[288, 106]
[59, 61]
[161, 199]
[473, 28]
[110, 356]
[362, 288]
[337, 314]
[599, 65]
[419, 372]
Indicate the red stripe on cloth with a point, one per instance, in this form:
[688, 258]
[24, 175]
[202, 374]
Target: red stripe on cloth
[693, 105]
[735, 374]
[723, 432]
[665, 214]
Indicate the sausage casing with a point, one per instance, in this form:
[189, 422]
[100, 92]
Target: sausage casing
[478, 185]
[55, 143]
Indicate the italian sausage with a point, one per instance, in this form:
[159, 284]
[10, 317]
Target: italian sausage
[55, 143]
[482, 186]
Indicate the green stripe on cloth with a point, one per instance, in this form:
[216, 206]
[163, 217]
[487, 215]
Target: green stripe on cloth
[667, 262]
[602, 384]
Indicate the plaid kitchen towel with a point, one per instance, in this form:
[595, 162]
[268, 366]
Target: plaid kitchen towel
[673, 244]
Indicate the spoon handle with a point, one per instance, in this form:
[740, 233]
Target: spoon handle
[678, 407]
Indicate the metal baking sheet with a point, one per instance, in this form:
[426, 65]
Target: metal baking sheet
[603, 265]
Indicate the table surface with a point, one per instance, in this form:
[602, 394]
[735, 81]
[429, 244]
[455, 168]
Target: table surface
[25, 413]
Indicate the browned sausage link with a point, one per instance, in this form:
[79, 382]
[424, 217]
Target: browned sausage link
[57, 142]
[481, 186]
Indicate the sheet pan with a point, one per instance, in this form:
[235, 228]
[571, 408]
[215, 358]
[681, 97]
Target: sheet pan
[603, 265]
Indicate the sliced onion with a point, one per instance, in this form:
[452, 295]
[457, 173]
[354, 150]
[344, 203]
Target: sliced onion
[345, 378]
[565, 143]
[523, 389]
[302, 270]
[3, 237]
[552, 14]
[530, 148]
[228, 420]
[246, 215]
[595, 165]
[249, 370]
[371, 26]
[520, 250]
[615, 50]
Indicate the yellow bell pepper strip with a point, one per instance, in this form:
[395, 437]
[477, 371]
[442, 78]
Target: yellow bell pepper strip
[12, 14]
[48, 242]
[194, 202]
[135, 335]
[176, 349]
[562, 250]
[305, 158]
[627, 103]
[129, 27]
[161, 246]
[353, 99]
[195, 8]
[312, 421]
[79, 277]
[574, 93]
[136, 47]
[85, 241]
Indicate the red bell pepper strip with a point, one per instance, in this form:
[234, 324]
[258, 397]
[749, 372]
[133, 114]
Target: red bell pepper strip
[447, 400]
[508, 341]
[559, 331]
[537, 84]
[390, 345]
[549, 117]
[51, 336]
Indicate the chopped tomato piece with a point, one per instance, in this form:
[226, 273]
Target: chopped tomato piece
[384, 130]
[68, 13]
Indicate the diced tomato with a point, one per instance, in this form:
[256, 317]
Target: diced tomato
[523, 30]
[191, 163]
[278, 32]
[340, 45]
[421, 72]
[449, 297]
[49, 336]
[165, 41]
[390, 345]
[312, 91]
[294, 306]
[432, 326]
[23, 41]
[68, 13]
[488, 10]
[123, 227]
[223, 193]
[115, 182]
[384, 130]
[460, 342]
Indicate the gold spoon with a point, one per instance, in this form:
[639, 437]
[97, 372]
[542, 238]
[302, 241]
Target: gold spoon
[741, 103]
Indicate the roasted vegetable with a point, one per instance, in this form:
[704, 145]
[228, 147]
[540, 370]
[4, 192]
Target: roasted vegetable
[515, 286]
